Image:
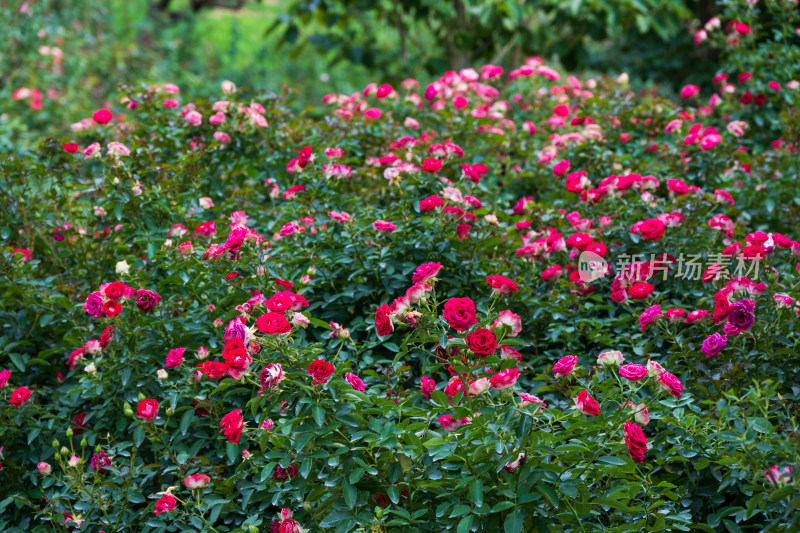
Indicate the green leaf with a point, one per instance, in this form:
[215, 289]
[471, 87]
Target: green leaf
[610, 460]
[732, 526]
[319, 323]
[432, 443]
[232, 451]
[350, 495]
[18, 361]
[476, 492]
[138, 436]
[186, 421]
[549, 493]
[393, 493]
[303, 440]
[611, 502]
[513, 522]
[502, 506]
[464, 524]
[440, 398]
[319, 414]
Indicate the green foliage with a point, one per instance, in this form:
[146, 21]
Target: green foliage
[384, 459]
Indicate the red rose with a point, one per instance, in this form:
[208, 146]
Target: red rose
[722, 308]
[147, 409]
[236, 355]
[78, 424]
[482, 342]
[114, 290]
[70, 148]
[107, 336]
[640, 290]
[213, 369]
[20, 396]
[431, 164]
[166, 504]
[320, 370]
[112, 308]
[635, 441]
[290, 526]
[586, 404]
[652, 229]
[281, 302]
[501, 284]
[460, 313]
[273, 324]
[288, 285]
[383, 322]
[232, 425]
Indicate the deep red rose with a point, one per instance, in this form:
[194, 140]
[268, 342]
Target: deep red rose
[78, 424]
[107, 336]
[213, 369]
[166, 504]
[20, 396]
[482, 342]
[146, 300]
[501, 284]
[320, 370]
[288, 285]
[383, 322]
[70, 148]
[460, 313]
[273, 323]
[232, 425]
[635, 441]
[236, 356]
[722, 308]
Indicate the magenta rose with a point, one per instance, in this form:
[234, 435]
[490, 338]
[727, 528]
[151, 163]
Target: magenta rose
[565, 366]
[146, 300]
[273, 323]
[714, 344]
[426, 272]
[670, 383]
[355, 381]
[94, 305]
[174, 357]
[633, 372]
[482, 342]
[460, 313]
[742, 316]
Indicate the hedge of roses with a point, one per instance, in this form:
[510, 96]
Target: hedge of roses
[221, 316]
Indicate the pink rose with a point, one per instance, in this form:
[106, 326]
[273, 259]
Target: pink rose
[633, 372]
[196, 481]
[505, 379]
[565, 366]
[355, 382]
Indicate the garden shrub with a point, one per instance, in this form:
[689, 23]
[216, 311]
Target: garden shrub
[517, 301]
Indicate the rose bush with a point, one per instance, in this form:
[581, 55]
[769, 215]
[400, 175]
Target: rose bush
[207, 327]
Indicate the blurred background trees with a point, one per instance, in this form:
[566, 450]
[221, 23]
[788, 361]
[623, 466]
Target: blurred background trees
[67, 56]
